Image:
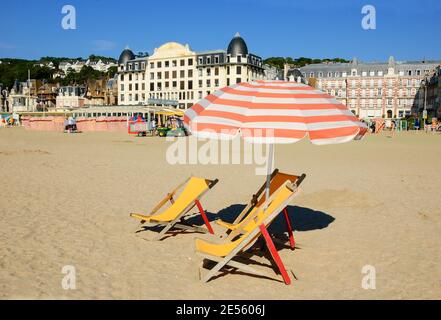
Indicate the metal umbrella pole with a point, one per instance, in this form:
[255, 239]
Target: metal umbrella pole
[269, 170]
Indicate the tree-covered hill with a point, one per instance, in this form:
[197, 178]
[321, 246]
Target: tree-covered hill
[299, 62]
[17, 69]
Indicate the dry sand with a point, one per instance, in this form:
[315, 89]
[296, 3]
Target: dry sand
[65, 200]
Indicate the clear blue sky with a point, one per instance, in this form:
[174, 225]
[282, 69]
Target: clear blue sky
[406, 29]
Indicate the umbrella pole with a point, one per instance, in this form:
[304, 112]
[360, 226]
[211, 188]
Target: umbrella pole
[269, 170]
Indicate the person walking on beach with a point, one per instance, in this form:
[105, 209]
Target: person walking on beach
[153, 126]
[416, 124]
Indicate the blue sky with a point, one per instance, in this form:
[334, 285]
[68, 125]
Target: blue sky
[407, 29]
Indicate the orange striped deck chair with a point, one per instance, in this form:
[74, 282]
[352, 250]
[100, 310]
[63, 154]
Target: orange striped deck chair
[227, 250]
[182, 200]
[277, 179]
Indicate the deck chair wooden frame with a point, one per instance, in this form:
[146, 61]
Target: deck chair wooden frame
[252, 237]
[180, 221]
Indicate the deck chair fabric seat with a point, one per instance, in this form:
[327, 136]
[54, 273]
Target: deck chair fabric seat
[277, 179]
[192, 191]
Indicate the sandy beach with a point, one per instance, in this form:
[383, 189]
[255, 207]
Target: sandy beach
[66, 200]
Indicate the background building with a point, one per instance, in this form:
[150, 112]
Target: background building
[386, 89]
[176, 75]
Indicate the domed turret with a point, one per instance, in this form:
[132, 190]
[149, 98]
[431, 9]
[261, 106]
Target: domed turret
[125, 56]
[237, 46]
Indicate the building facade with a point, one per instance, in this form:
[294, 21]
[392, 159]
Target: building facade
[430, 95]
[373, 90]
[176, 75]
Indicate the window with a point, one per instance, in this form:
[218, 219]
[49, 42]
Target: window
[175, 84]
[208, 72]
[182, 62]
[122, 87]
[182, 74]
[174, 63]
[239, 59]
[200, 60]
[216, 82]
[130, 77]
[182, 85]
[174, 74]
[130, 87]
[216, 71]
[122, 77]
[208, 83]
[136, 87]
[166, 74]
[190, 62]
[199, 94]
[152, 65]
[152, 75]
[200, 83]
[228, 70]
[122, 97]
[208, 60]
[159, 64]
[159, 75]
[152, 86]
[190, 73]
[167, 64]
[190, 85]
[238, 80]
[238, 70]
[216, 59]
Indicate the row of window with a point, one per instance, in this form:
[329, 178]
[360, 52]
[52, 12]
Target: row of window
[372, 92]
[379, 73]
[372, 83]
[180, 95]
[182, 74]
[172, 63]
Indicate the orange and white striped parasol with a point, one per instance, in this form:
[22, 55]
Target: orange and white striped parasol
[273, 112]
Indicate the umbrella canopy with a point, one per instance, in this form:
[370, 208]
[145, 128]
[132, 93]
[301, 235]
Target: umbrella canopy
[273, 112]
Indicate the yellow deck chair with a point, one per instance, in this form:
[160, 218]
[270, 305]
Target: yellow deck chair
[223, 250]
[191, 191]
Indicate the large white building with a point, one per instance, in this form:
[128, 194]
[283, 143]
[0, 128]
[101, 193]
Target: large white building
[373, 90]
[176, 75]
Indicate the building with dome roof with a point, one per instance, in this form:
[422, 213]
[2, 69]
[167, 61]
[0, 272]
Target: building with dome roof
[176, 75]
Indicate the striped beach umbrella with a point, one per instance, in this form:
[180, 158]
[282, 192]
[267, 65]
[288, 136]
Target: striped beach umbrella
[273, 112]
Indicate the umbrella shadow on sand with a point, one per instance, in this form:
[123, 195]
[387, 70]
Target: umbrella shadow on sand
[302, 219]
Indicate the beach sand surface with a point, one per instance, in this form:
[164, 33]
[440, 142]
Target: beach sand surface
[66, 199]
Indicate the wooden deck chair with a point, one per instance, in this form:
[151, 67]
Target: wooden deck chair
[224, 250]
[191, 192]
[277, 179]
